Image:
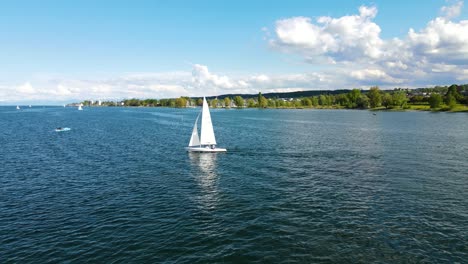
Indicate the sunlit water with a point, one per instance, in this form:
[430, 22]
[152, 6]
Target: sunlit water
[296, 186]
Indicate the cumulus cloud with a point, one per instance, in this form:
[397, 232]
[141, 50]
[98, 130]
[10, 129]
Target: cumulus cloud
[345, 38]
[353, 45]
[441, 40]
[203, 77]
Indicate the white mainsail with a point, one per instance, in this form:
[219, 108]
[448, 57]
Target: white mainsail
[194, 140]
[207, 136]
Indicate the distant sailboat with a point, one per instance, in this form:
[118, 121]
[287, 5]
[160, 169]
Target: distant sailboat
[17, 107]
[79, 107]
[30, 106]
[206, 142]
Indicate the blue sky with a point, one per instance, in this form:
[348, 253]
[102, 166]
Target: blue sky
[72, 50]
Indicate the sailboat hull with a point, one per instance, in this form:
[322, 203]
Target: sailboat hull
[204, 149]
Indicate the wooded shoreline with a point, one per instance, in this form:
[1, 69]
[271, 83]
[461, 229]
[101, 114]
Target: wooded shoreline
[452, 98]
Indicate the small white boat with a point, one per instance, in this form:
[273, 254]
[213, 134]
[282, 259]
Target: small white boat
[62, 129]
[80, 107]
[30, 106]
[206, 142]
[17, 107]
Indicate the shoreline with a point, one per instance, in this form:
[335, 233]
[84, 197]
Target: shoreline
[459, 109]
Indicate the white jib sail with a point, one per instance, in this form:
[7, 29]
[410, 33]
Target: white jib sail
[194, 140]
[207, 136]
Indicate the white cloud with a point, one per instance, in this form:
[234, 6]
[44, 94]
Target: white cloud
[341, 39]
[25, 88]
[443, 68]
[396, 65]
[146, 85]
[352, 44]
[441, 40]
[202, 77]
[452, 11]
[200, 82]
[261, 78]
[373, 76]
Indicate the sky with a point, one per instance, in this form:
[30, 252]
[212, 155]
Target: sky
[66, 51]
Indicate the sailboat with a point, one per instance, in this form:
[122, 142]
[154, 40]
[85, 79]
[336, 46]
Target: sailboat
[79, 107]
[17, 107]
[206, 142]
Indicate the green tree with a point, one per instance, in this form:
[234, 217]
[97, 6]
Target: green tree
[199, 101]
[453, 90]
[262, 101]
[315, 101]
[132, 102]
[387, 100]
[271, 103]
[435, 100]
[150, 102]
[163, 102]
[280, 103]
[306, 102]
[323, 100]
[250, 103]
[180, 102]
[214, 103]
[362, 101]
[342, 99]
[399, 99]
[297, 103]
[375, 97]
[417, 99]
[331, 100]
[172, 103]
[192, 102]
[239, 101]
[353, 97]
[450, 101]
[227, 102]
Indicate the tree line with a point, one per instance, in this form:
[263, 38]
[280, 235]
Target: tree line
[439, 97]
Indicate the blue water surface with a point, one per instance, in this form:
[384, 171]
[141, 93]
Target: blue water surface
[296, 186]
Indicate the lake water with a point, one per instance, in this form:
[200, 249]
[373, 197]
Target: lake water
[296, 186]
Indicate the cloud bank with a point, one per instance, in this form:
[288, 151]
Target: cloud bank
[200, 82]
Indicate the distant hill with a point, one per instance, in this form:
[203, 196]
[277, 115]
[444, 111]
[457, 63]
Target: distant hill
[298, 94]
